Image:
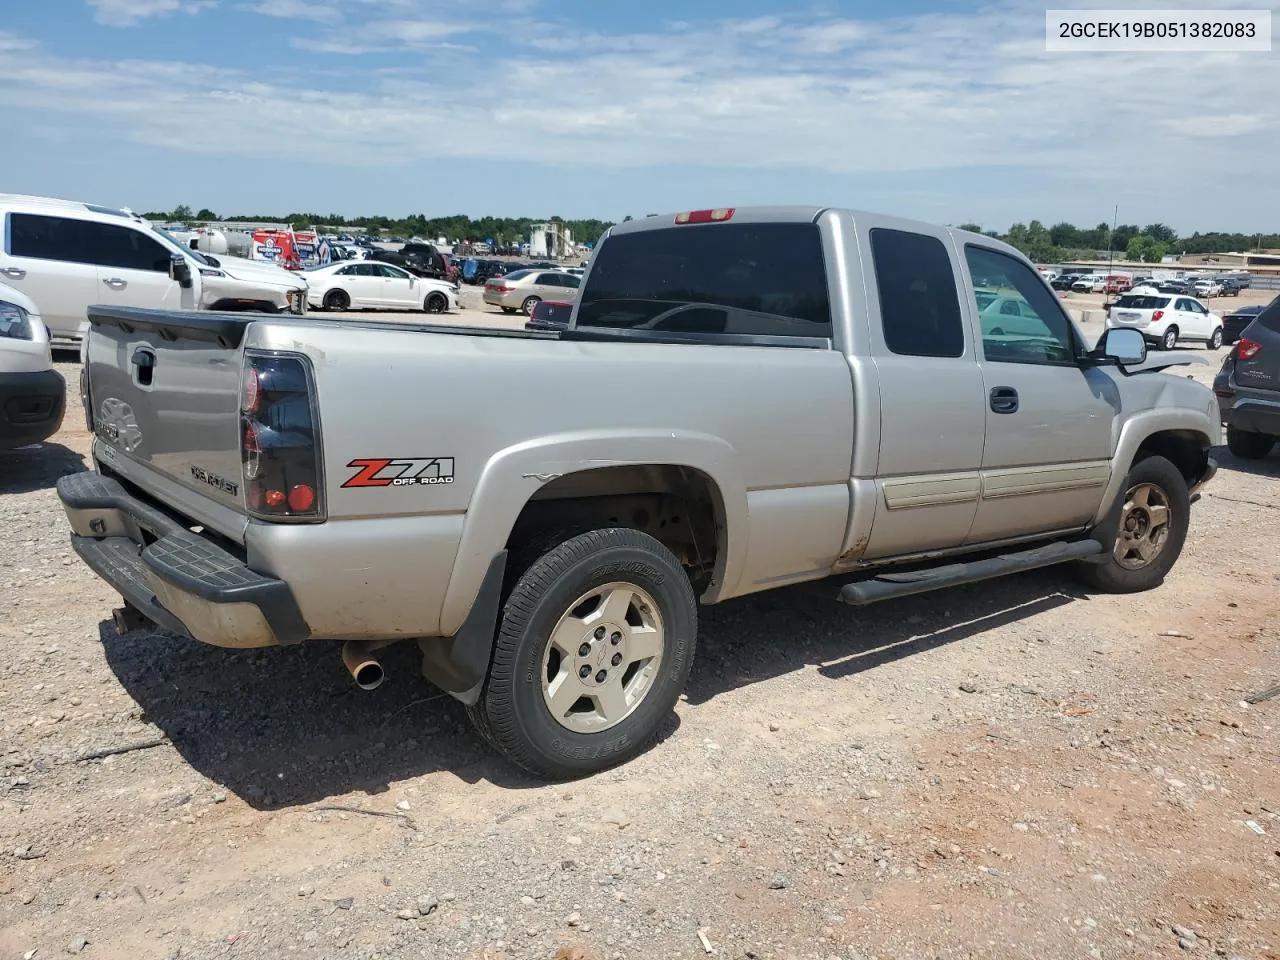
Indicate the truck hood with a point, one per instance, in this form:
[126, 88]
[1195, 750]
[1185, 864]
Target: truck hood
[258, 271]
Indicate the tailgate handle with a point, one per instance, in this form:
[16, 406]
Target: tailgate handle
[144, 362]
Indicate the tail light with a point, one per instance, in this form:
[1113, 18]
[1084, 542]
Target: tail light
[1156, 315]
[1247, 349]
[280, 439]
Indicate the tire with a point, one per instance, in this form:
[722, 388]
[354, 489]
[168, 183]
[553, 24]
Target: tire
[435, 303]
[1127, 570]
[1215, 341]
[1169, 340]
[337, 300]
[529, 303]
[1247, 445]
[646, 582]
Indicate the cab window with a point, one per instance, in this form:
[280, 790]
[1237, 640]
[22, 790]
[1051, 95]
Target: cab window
[1024, 323]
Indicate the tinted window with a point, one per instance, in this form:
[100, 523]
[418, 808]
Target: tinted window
[548, 280]
[1138, 301]
[518, 274]
[570, 281]
[1039, 332]
[110, 246]
[918, 304]
[46, 238]
[763, 279]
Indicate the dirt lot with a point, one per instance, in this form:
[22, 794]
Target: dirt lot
[1012, 770]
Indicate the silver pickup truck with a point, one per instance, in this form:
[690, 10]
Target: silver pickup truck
[743, 399]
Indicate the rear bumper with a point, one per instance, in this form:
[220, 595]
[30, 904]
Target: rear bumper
[1253, 415]
[178, 579]
[31, 407]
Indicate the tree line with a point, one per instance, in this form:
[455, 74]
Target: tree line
[458, 227]
[1148, 244]
[1055, 244]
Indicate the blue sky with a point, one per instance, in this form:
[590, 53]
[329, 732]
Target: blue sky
[947, 111]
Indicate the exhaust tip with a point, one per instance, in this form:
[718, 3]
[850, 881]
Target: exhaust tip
[369, 675]
[365, 670]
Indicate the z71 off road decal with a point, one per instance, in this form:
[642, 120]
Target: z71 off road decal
[402, 472]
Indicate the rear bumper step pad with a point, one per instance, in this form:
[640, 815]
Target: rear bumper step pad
[181, 580]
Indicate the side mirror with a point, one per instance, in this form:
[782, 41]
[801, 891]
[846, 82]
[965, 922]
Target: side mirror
[1126, 347]
[180, 270]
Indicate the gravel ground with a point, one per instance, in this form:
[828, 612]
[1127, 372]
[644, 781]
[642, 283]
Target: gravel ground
[1012, 770]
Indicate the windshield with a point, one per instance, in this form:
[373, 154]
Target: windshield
[1142, 302]
[176, 244]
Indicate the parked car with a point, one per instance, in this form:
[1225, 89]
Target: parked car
[371, 285]
[1165, 319]
[1064, 282]
[1231, 286]
[523, 289]
[32, 394]
[1089, 284]
[1248, 387]
[66, 255]
[549, 315]
[1233, 323]
[546, 548]
[477, 272]
[1207, 288]
[420, 259]
[1174, 286]
[1117, 285]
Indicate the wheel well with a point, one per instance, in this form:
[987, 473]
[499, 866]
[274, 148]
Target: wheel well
[679, 506]
[1185, 449]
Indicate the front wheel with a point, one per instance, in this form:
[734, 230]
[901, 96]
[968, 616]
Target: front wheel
[1152, 528]
[1248, 445]
[1170, 339]
[336, 300]
[435, 303]
[1215, 341]
[593, 651]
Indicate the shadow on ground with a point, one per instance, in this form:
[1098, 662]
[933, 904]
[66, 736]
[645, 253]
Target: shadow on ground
[1268, 466]
[36, 467]
[286, 726]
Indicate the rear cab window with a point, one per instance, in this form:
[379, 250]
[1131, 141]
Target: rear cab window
[919, 307]
[722, 279]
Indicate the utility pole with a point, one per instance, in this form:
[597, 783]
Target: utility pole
[1111, 252]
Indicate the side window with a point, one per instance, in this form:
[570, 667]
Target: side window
[918, 304]
[1038, 331]
[366, 269]
[108, 245]
[345, 272]
[570, 281]
[46, 238]
[547, 280]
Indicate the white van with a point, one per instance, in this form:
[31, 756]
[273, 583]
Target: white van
[66, 255]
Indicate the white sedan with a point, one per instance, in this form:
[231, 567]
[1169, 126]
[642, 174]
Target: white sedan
[370, 285]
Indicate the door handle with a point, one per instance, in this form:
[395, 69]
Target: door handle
[14, 273]
[115, 283]
[1004, 400]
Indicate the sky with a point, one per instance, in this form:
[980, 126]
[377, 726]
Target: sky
[941, 110]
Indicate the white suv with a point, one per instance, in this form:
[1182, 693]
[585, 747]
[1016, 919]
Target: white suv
[66, 255]
[1166, 318]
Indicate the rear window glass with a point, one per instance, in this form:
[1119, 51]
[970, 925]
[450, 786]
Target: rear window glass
[1270, 317]
[1142, 302]
[763, 279]
[517, 275]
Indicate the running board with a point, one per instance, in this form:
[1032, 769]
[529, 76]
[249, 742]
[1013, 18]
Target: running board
[887, 586]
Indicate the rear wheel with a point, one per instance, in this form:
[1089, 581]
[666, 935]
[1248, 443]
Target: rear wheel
[435, 303]
[529, 304]
[337, 300]
[1154, 517]
[594, 648]
[1248, 445]
[1170, 339]
[1215, 341]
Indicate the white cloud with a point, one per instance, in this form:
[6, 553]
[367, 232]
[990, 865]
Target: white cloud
[297, 10]
[854, 98]
[127, 13]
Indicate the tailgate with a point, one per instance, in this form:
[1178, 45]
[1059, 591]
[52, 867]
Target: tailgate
[164, 393]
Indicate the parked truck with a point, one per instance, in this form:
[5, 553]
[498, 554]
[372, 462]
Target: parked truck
[743, 399]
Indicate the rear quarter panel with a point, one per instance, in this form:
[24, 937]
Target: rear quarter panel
[772, 427]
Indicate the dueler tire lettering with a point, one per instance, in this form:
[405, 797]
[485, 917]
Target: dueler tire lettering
[511, 713]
